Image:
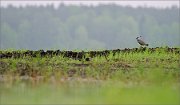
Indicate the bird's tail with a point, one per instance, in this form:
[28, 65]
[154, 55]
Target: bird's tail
[147, 44]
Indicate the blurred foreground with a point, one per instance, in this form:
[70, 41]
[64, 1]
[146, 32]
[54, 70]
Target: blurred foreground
[121, 78]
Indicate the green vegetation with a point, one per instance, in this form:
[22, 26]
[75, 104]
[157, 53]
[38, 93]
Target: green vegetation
[123, 78]
[83, 27]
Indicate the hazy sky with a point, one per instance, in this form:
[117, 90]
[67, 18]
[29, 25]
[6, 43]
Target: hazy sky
[157, 4]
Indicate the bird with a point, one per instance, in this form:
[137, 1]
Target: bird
[141, 42]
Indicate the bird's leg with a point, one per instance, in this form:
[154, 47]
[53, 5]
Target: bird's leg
[141, 47]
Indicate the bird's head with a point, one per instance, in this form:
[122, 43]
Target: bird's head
[137, 37]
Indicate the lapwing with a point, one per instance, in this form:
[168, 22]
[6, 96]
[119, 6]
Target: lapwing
[141, 42]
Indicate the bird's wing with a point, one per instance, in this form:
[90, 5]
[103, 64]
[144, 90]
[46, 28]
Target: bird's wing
[141, 42]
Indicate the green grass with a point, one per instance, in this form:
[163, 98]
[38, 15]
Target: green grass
[126, 78]
[90, 93]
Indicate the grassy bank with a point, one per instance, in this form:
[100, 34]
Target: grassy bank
[116, 78]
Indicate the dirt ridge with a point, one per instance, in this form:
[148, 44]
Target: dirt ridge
[80, 54]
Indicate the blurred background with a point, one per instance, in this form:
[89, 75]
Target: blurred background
[88, 25]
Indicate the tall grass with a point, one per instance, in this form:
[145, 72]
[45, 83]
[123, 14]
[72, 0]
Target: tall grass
[120, 78]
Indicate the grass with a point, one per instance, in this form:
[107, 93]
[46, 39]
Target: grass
[90, 93]
[123, 78]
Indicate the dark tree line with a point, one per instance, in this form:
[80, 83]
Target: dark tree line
[83, 27]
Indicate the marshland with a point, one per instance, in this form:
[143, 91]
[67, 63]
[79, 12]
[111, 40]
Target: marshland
[89, 54]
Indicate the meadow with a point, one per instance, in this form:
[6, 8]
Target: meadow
[129, 76]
